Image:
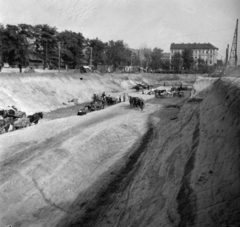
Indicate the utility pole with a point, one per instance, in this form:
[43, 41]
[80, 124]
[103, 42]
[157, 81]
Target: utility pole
[131, 62]
[91, 59]
[59, 56]
[45, 65]
[226, 60]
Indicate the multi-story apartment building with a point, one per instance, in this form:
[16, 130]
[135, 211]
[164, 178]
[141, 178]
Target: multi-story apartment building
[205, 51]
[166, 56]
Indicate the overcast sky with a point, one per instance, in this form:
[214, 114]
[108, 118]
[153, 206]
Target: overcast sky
[149, 23]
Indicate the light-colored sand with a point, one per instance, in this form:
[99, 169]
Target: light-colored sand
[45, 167]
[45, 92]
[119, 166]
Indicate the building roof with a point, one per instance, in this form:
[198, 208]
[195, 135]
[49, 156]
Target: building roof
[178, 46]
[165, 55]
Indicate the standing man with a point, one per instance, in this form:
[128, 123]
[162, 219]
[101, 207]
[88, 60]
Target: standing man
[1, 65]
[103, 95]
[20, 67]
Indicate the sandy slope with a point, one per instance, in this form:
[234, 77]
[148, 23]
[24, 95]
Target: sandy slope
[45, 92]
[45, 168]
[189, 174]
[175, 164]
[202, 86]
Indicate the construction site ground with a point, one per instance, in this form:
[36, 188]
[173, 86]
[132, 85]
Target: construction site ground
[176, 163]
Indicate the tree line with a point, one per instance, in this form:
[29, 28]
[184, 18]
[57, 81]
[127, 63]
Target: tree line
[19, 42]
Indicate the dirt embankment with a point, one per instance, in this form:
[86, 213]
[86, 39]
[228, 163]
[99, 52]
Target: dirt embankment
[49, 170]
[45, 92]
[188, 174]
[174, 164]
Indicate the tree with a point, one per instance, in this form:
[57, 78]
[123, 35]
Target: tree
[117, 54]
[2, 29]
[201, 64]
[188, 61]
[135, 59]
[156, 56]
[98, 51]
[46, 43]
[14, 45]
[27, 33]
[71, 47]
[147, 57]
[166, 64]
[176, 62]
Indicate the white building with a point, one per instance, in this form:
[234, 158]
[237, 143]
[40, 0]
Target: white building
[205, 51]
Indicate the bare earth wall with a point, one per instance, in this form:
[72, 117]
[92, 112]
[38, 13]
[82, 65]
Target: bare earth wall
[190, 174]
[45, 92]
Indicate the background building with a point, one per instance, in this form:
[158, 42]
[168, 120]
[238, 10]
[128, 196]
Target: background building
[205, 51]
[166, 56]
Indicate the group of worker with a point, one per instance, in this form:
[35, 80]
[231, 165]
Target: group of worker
[120, 98]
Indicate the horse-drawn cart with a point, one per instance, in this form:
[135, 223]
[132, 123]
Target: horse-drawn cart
[86, 109]
[13, 113]
[97, 105]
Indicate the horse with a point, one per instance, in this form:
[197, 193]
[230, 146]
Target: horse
[132, 101]
[141, 103]
[6, 122]
[111, 100]
[136, 102]
[97, 105]
[35, 117]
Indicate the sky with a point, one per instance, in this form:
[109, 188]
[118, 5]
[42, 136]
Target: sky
[139, 23]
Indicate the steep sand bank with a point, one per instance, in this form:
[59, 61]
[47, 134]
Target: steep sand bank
[45, 92]
[189, 174]
[202, 85]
